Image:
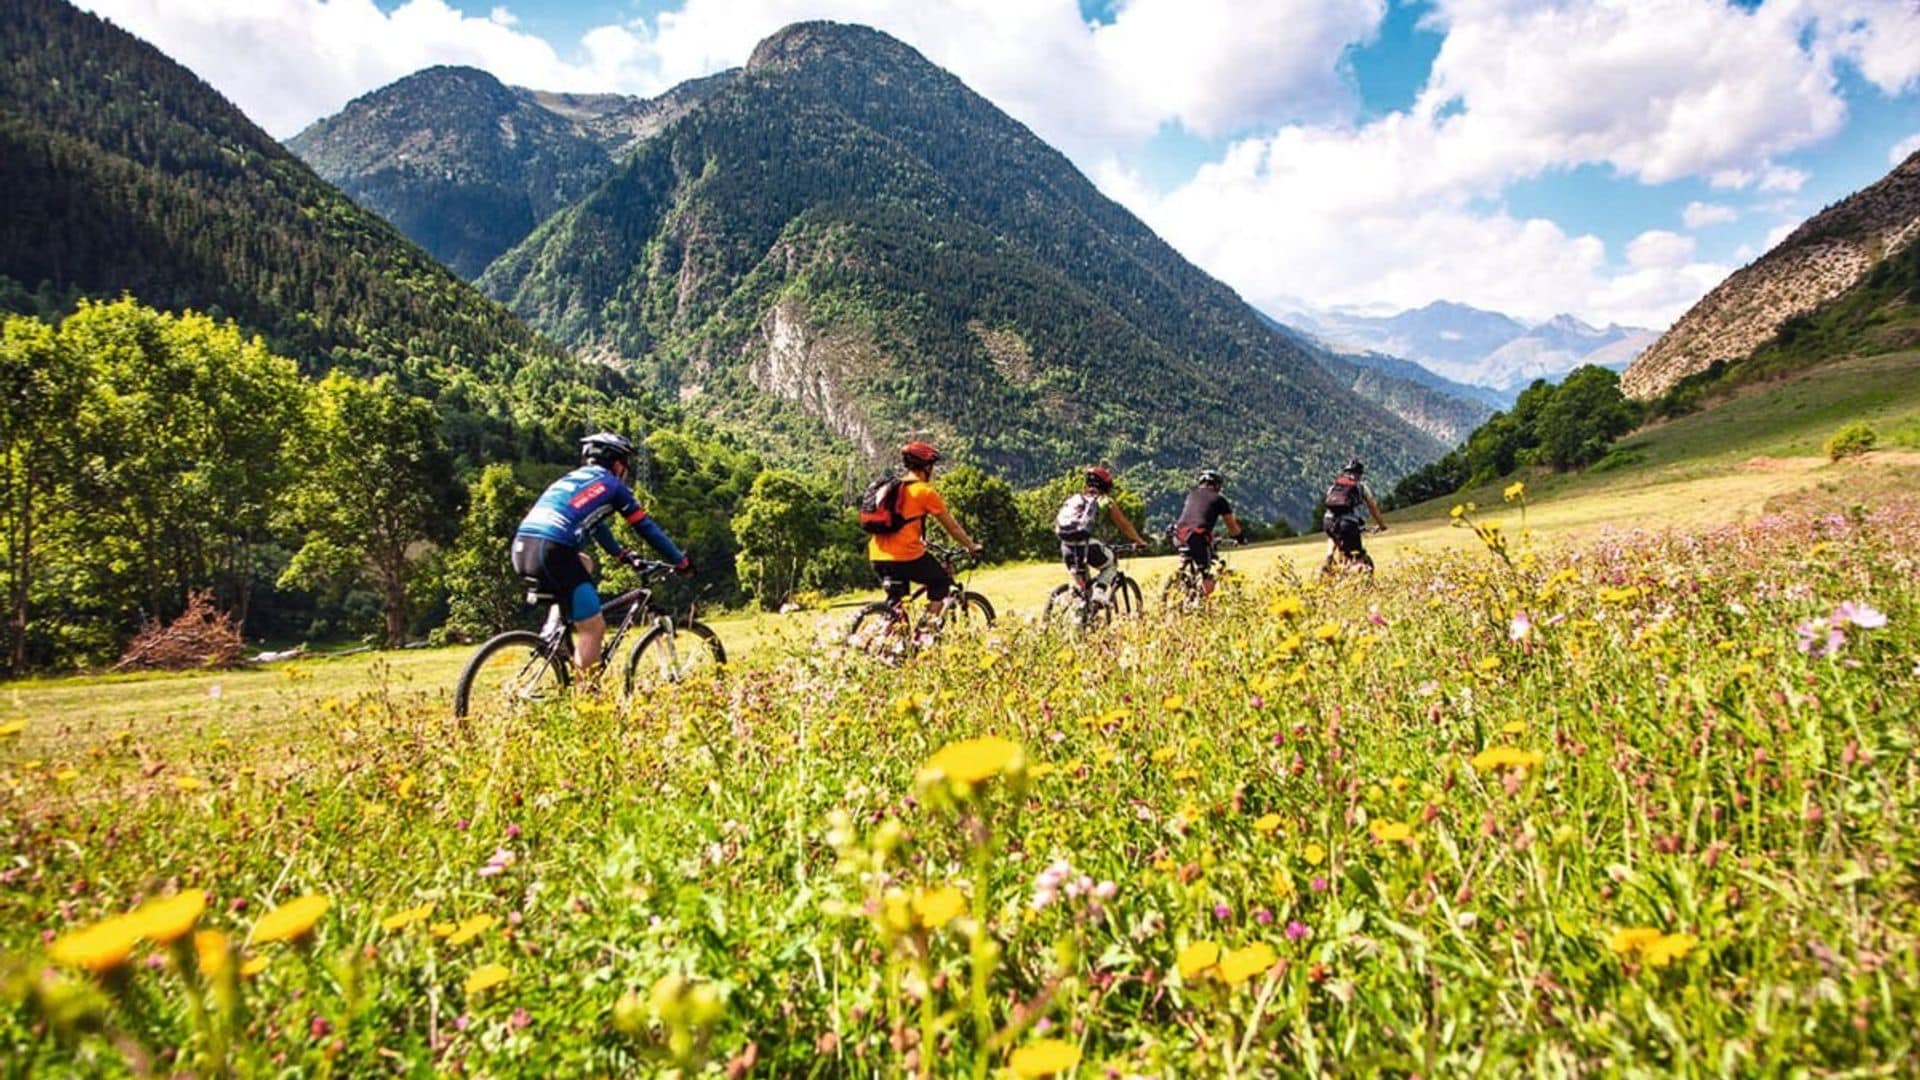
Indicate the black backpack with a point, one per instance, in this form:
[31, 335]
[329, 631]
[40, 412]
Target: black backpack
[880, 505]
[1344, 496]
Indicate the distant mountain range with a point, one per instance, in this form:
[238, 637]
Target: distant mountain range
[1819, 264]
[1476, 348]
[842, 233]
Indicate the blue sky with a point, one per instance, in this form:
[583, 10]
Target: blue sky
[1609, 158]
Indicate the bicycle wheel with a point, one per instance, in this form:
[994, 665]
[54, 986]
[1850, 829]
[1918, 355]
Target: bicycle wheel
[967, 609]
[689, 651]
[1060, 605]
[876, 631]
[510, 671]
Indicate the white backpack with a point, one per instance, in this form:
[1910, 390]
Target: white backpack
[1075, 520]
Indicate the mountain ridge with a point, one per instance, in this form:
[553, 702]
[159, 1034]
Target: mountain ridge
[1822, 259]
[843, 205]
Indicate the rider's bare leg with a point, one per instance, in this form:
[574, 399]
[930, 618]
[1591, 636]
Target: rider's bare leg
[587, 635]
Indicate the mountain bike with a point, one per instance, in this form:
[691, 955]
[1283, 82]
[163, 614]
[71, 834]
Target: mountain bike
[891, 629]
[1339, 560]
[1092, 603]
[521, 667]
[1188, 585]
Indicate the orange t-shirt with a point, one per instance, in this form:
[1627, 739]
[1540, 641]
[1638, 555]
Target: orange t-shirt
[910, 541]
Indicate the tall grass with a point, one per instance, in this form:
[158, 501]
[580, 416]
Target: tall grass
[1644, 805]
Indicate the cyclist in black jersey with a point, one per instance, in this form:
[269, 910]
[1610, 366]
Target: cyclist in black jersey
[1193, 530]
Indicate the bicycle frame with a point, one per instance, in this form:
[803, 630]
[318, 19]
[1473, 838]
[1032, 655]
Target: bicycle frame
[558, 632]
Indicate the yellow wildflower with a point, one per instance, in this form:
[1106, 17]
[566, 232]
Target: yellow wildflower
[292, 920]
[1048, 1057]
[1631, 939]
[1314, 854]
[1668, 948]
[1515, 490]
[938, 907]
[1506, 757]
[471, 928]
[402, 920]
[99, 948]
[1457, 512]
[211, 952]
[1163, 755]
[166, 920]
[972, 761]
[1286, 607]
[1514, 727]
[12, 727]
[189, 783]
[486, 977]
[253, 966]
[1266, 824]
[1326, 631]
[1392, 832]
[1044, 769]
[1197, 958]
[67, 776]
[1242, 964]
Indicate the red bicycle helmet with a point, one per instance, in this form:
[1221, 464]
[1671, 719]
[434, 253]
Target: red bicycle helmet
[1100, 478]
[918, 455]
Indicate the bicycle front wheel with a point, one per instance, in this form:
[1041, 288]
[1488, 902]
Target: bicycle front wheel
[674, 654]
[1060, 606]
[510, 671]
[967, 609]
[1127, 598]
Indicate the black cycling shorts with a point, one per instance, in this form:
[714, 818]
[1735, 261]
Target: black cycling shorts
[1084, 554]
[1196, 545]
[899, 578]
[1345, 530]
[557, 569]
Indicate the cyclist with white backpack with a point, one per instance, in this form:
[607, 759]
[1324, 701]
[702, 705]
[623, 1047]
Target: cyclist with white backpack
[1075, 522]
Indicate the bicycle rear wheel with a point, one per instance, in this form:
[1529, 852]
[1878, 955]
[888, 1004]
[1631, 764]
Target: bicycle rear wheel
[510, 671]
[876, 631]
[663, 656]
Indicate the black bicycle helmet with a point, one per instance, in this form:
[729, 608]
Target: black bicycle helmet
[1211, 478]
[1356, 467]
[603, 448]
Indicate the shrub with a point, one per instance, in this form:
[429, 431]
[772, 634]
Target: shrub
[1851, 441]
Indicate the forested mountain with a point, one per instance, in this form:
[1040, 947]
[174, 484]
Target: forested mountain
[467, 166]
[1817, 263]
[844, 228]
[120, 171]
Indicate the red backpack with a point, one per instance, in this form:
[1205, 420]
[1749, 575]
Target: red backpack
[1344, 495]
[880, 505]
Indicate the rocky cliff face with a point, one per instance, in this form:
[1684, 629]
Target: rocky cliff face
[1823, 258]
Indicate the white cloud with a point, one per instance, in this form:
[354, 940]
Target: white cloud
[1700, 214]
[1658, 249]
[1780, 178]
[1881, 38]
[1089, 89]
[1904, 149]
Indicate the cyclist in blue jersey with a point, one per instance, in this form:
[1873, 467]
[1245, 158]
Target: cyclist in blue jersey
[549, 545]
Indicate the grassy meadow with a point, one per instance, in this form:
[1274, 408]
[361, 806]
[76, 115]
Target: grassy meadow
[1615, 777]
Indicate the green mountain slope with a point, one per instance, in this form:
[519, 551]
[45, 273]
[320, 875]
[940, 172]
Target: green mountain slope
[124, 172]
[467, 166]
[847, 230]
